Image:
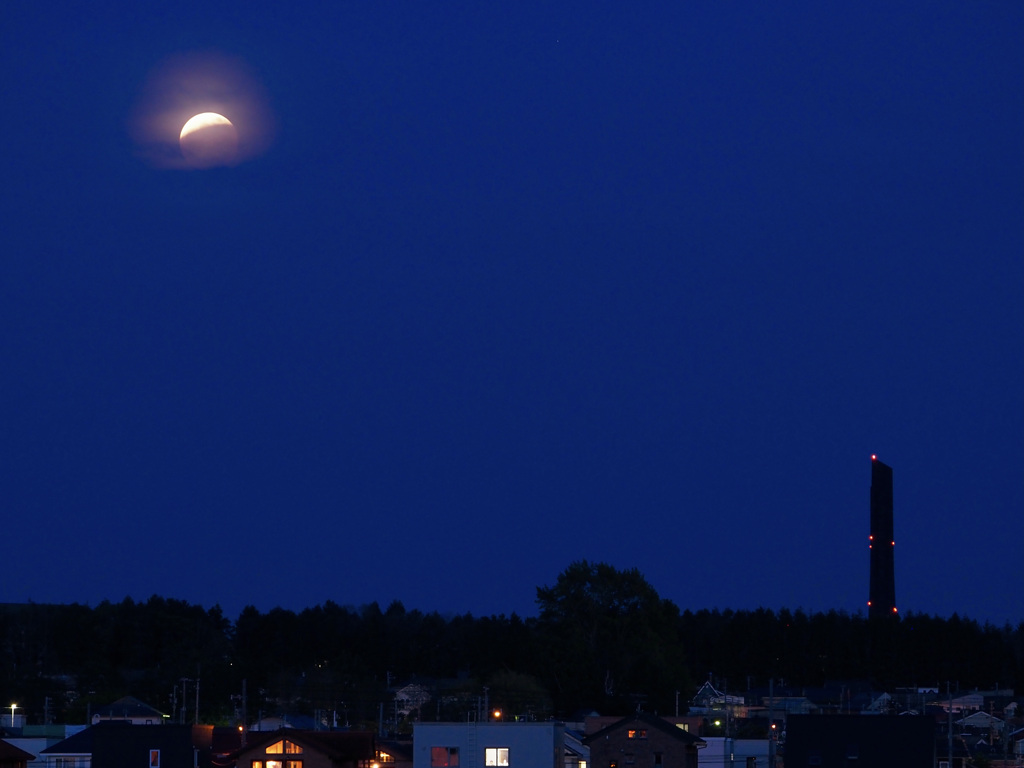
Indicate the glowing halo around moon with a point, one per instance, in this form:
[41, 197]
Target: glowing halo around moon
[209, 140]
[201, 110]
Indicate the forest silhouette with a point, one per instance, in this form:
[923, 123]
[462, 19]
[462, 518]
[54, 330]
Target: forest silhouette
[603, 640]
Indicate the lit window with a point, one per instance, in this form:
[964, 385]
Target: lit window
[384, 757]
[444, 757]
[274, 764]
[637, 734]
[292, 764]
[581, 764]
[257, 764]
[496, 756]
[284, 747]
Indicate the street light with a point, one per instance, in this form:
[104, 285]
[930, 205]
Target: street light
[13, 707]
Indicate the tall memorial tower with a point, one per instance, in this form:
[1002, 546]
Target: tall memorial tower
[882, 589]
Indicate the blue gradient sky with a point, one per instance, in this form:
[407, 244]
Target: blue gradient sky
[518, 284]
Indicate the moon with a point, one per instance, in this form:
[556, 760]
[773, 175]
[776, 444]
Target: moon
[209, 140]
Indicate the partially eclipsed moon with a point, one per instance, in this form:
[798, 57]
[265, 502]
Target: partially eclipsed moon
[208, 140]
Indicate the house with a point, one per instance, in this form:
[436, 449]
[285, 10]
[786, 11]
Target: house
[294, 748]
[690, 723]
[13, 757]
[967, 702]
[576, 753]
[980, 722]
[73, 752]
[119, 744]
[131, 709]
[643, 740]
[277, 722]
[468, 745]
[880, 741]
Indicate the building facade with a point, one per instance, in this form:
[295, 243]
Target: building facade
[480, 745]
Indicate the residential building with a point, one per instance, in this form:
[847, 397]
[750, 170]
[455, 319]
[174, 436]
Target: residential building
[482, 744]
[294, 748]
[643, 740]
[73, 752]
[12, 756]
[131, 710]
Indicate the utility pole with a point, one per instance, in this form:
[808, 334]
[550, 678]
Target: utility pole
[184, 698]
[949, 737]
[245, 719]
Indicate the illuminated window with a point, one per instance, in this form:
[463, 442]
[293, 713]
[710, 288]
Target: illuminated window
[257, 764]
[581, 764]
[284, 747]
[637, 734]
[496, 756]
[444, 757]
[384, 757]
[274, 764]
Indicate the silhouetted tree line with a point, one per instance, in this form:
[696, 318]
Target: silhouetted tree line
[603, 640]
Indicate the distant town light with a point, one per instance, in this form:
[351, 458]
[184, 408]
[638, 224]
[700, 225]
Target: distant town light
[874, 457]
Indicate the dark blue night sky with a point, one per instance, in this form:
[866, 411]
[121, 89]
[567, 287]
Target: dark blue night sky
[518, 284]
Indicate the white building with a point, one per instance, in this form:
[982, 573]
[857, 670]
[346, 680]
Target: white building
[478, 745]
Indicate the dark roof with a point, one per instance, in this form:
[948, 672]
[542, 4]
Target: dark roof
[78, 744]
[650, 721]
[126, 707]
[11, 753]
